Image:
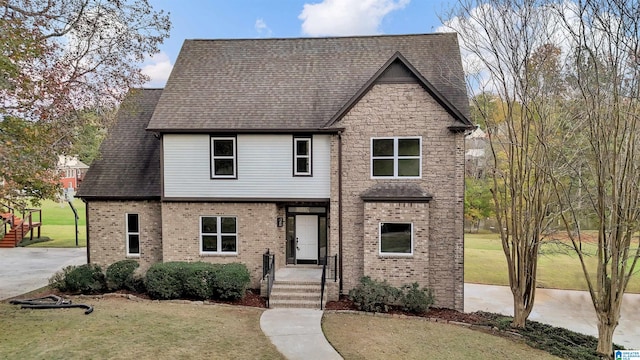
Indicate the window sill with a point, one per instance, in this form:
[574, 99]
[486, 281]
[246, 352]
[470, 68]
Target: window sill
[211, 254]
[395, 256]
[133, 256]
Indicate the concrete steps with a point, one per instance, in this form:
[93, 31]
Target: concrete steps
[295, 294]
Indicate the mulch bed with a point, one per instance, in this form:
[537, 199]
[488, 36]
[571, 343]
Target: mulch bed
[253, 299]
[435, 313]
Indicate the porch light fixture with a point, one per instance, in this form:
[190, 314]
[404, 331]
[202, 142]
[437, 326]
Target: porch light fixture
[280, 221]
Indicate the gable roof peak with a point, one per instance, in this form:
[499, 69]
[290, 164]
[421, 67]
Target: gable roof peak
[398, 58]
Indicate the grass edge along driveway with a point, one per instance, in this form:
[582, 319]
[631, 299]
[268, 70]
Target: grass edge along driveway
[358, 336]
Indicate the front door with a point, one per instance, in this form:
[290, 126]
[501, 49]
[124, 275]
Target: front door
[307, 238]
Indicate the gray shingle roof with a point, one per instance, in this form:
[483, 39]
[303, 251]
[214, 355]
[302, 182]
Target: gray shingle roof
[129, 165]
[300, 83]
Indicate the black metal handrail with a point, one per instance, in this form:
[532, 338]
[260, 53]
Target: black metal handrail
[325, 263]
[323, 281]
[269, 268]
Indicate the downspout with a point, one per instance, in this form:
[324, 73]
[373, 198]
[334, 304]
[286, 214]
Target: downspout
[86, 228]
[340, 205]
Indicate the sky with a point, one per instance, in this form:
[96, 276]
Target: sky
[241, 19]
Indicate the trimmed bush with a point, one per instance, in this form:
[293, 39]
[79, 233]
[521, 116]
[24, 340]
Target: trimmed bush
[374, 296]
[84, 279]
[197, 279]
[231, 282]
[119, 275]
[416, 300]
[163, 281]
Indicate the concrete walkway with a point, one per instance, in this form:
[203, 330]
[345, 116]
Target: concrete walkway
[27, 269]
[297, 334]
[563, 308]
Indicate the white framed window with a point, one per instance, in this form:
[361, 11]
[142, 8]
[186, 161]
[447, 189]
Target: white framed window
[223, 158]
[396, 238]
[133, 234]
[302, 156]
[218, 235]
[396, 157]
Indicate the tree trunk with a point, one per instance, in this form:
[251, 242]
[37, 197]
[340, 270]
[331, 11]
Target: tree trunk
[605, 337]
[520, 312]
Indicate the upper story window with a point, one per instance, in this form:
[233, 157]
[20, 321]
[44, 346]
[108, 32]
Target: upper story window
[396, 157]
[302, 156]
[223, 158]
[133, 235]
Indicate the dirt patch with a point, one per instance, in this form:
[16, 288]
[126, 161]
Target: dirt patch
[587, 237]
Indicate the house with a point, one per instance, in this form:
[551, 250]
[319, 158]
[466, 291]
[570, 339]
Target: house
[350, 148]
[71, 171]
[475, 156]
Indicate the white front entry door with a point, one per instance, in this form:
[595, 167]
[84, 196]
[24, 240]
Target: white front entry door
[307, 237]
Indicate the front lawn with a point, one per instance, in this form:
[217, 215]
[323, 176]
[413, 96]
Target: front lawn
[124, 329]
[357, 336]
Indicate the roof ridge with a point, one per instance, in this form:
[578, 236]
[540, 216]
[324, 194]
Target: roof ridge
[326, 37]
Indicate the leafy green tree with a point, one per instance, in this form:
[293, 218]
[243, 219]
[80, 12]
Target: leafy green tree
[478, 201]
[58, 58]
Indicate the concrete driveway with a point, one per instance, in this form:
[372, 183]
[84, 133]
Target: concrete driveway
[563, 308]
[26, 269]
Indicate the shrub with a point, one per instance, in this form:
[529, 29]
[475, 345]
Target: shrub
[416, 300]
[119, 275]
[197, 279]
[57, 281]
[84, 279]
[374, 296]
[136, 282]
[231, 281]
[163, 281]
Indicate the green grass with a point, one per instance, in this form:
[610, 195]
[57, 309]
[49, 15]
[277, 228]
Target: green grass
[123, 329]
[58, 224]
[558, 267]
[373, 337]
[55, 213]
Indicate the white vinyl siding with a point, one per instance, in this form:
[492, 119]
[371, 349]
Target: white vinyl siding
[264, 168]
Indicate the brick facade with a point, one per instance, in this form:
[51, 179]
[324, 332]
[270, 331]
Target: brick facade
[107, 231]
[256, 226]
[402, 110]
[170, 230]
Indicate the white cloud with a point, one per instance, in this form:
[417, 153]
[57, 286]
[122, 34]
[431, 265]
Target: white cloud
[157, 67]
[347, 17]
[262, 28]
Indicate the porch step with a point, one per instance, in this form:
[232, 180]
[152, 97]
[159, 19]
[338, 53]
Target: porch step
[11, 238]
[298, 294]
[297, 304]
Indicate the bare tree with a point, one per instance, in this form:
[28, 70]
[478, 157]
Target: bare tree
[503, 42]
[604, 119]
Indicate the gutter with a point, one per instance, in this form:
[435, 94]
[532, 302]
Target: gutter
[86, 228]
[340, 206]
